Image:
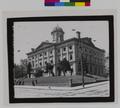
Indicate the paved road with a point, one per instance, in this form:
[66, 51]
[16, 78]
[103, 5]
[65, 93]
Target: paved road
[92, 90]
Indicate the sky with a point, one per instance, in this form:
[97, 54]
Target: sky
[29, 35]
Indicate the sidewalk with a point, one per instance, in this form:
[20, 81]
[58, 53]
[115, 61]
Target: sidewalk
[100, 89]
[62, 88]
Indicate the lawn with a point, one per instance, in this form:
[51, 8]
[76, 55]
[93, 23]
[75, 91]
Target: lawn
[58, 80]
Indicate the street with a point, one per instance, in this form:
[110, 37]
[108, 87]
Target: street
[100, 89]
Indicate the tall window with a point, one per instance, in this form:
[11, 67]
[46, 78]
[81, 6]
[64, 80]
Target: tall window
[51, 52]
[40, 64]
[45, 53]
[70, 47]
[45, 62]
[58, 50]
[36, 65]
[64, 49]
[40, 55]
[71, 57]
[51, 61]
[33, 57]
[54, 37]
[85, 50]
[33, 63]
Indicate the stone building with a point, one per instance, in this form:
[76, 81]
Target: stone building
[72, 49]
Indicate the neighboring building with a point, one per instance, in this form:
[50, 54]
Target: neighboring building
[71, 50]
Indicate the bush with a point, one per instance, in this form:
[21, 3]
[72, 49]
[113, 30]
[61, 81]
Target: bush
[38, 73]
[19, 71]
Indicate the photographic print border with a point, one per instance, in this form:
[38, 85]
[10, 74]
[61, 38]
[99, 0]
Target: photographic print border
[10, 40]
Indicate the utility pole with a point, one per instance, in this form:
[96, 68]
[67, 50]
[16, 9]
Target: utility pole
[81, 57]
[82, 71]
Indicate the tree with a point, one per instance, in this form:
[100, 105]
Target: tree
[60, 67]
[49, 68]
[23, 64]
[18, 71]
[64, 66]
[39, 72]
[29, 69]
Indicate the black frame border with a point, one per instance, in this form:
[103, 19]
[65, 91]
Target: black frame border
[10, 40]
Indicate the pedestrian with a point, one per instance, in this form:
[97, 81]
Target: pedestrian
[23, 83]
[33, 83]
[36, 81]
[19, 82]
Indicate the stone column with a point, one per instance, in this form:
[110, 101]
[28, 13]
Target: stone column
[54, 60]
[74, 59]
[73, 48]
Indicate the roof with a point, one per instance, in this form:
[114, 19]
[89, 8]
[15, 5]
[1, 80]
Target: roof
[58, 29]
[85, 40]
[43, 45]
[88, 41]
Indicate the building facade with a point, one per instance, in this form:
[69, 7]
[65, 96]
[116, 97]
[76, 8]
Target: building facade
[74, 50]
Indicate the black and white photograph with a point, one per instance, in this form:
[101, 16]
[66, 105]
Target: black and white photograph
[61, 59]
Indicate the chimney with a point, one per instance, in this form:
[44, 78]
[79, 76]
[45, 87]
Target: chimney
[78, 34]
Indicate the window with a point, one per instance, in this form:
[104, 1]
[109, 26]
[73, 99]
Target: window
[54, 37]
[64, 49]
[33, 63]
[36, 65]
[70, 47]
[71, 57]
[85, 50]
[40, 64]
[51, 52]
[40, 55]
[45, 62]
[45, 53]
[32, 57]
[51, 61]
[58, 50]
